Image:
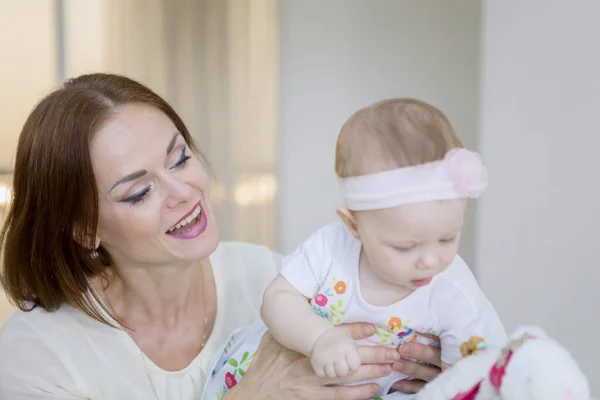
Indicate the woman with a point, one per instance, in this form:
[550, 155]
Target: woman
[112, 248]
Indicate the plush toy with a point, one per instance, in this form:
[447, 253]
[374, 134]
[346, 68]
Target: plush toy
[531, 367]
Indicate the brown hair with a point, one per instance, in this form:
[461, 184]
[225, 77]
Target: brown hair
[392, 134]
[55, 194]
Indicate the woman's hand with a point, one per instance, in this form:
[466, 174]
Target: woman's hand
[280, 373]
[421, 373]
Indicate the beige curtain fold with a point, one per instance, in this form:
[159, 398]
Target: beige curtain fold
[216, 62]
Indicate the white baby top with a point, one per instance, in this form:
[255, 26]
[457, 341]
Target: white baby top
[67, 355]
[325, 269]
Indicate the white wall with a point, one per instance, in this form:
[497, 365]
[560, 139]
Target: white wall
[539, 225]
[340, 55]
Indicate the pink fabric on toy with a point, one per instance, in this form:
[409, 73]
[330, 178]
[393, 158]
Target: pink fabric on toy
[470, 395]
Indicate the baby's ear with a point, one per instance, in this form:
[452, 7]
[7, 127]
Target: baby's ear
[348, 219]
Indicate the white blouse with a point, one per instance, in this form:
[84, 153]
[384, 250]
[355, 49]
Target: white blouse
[68, 355]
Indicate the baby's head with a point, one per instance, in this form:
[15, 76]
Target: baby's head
[393, 159]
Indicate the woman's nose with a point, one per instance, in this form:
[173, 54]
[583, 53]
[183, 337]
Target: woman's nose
[177, 192]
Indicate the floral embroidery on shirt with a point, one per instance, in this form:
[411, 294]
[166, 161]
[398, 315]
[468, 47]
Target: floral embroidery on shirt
[396, 332]
[340, 287]
[321, 300]
[331, 302]
[237, 370]
[230, 380]
[395, 322]
[327, 303]
[229, 344]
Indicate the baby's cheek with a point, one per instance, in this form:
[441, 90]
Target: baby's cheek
[396, 260]
[403, 266]
[450, 254]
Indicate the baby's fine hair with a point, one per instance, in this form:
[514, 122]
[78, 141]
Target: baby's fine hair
[391, 134]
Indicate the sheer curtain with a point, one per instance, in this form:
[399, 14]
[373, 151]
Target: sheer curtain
[216, 62]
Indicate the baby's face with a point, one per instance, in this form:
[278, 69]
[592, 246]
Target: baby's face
[410, 244]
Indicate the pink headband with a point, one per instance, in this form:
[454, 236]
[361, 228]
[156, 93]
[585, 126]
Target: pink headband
[461, 174]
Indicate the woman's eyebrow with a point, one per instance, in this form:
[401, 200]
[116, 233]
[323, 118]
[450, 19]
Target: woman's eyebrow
[172, 142]
[128, 178]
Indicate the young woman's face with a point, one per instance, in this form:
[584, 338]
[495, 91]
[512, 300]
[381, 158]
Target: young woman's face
[153, 206]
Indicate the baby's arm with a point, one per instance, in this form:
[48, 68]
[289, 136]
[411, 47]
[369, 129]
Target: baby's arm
[292, 322]
[290, 318]
[288, 314]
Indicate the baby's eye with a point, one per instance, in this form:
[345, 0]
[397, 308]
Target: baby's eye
[448, 240]
[406, 248]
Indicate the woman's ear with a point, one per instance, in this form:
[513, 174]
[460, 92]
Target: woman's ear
[84, 240]
[348, 219]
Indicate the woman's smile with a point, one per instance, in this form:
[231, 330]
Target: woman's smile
[191, 225]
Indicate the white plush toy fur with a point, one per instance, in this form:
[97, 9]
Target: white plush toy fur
[539, 369]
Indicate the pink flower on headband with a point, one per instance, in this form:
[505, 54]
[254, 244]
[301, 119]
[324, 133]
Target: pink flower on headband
[465, 168]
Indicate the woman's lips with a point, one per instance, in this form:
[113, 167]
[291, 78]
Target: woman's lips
[192, 230]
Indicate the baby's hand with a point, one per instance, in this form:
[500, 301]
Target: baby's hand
[335, 354]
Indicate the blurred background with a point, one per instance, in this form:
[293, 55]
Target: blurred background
[265, 85]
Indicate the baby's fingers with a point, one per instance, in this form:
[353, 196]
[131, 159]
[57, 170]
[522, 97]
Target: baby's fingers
[330, 371]
[353, 359]
[319, 368]
[342, 368]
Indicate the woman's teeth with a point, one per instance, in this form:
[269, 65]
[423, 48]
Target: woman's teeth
[188, 220]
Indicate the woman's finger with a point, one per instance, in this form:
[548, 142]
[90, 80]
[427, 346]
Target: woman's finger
[422, 352]
[430, 336]
[417, 370]
[361, 392]
[365, 372]
[378, 355]
[408, 386]
[359, 330]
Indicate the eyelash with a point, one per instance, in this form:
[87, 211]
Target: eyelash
[143, 195]
[183, 160]
[449, 240]
[406, 249]
[443, 241]
[138, 198]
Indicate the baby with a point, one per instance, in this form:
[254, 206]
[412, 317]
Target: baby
[391, 261]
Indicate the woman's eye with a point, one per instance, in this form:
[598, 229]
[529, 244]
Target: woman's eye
[137, 198]
[182, 160]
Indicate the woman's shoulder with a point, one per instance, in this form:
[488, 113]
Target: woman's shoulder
[38, 344]
[59, 353]
[39, 328]
[24, 322]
